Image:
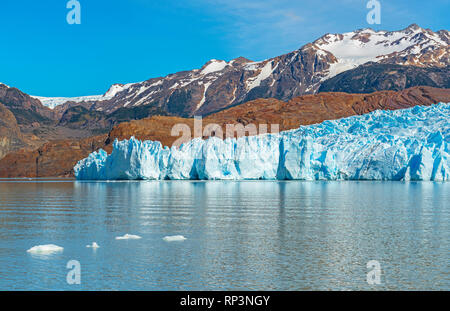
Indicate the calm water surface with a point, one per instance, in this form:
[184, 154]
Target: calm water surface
[240, 235]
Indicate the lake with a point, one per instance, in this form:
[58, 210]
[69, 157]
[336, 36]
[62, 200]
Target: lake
[246, 235]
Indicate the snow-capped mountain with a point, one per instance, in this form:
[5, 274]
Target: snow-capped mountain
[411, 46]
[220, 84]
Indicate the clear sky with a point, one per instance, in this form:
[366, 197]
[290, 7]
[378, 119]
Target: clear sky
[134, 40]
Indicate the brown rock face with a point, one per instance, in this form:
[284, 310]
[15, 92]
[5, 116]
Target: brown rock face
[10, 136]
[311, 109]
[58, 158]
[26, 109]
[53, 159]
[26, 123]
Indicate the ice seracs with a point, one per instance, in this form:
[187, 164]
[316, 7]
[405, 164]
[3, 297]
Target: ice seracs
[128, 237]
[408, 144]
[45, 249]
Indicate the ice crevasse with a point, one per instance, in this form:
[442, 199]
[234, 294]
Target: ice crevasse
[407, 144]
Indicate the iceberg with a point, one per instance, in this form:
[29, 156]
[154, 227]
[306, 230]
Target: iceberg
[408, 144]
[128, 237]
[174, 238]
[45, 249]
[94, 245]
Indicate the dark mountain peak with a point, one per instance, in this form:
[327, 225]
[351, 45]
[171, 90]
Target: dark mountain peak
[413, 27]
[241, 60]
[368, 29]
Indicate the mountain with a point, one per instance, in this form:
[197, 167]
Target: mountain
[27, 110]
[220, 84]
[57, 158]
[26, 123]
[11, 137]
[372, 77]
[362, 61]
[20, 115]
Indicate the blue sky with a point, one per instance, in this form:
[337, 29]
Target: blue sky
[134, 40]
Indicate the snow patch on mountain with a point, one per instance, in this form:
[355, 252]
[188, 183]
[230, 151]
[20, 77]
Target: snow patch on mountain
[117, 88]
[202, 101]
[265, 73]
[214, 66]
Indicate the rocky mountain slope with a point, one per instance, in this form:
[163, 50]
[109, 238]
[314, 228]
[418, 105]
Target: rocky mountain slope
[58, 158]
[11, 137]
[27, 110]
[372, 77]
[220, 84]
[26, 123]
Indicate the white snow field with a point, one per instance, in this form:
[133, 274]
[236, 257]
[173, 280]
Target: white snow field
[407, 144]
[52, 102]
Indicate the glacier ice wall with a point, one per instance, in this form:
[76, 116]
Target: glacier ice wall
[408, 144]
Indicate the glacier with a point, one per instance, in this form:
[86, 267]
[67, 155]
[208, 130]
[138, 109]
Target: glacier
[408, 144]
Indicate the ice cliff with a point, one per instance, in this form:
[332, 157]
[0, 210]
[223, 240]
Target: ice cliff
[408, 144]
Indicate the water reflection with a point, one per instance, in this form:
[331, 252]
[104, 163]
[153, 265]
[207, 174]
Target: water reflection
[241, 235]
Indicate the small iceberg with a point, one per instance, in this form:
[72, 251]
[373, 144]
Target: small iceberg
[128, 237]
[45, 249]
[175, 238]
[94, 245]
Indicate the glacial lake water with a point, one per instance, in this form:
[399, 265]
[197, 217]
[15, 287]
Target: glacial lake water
[249, 235]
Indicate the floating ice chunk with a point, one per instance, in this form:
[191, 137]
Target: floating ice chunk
[128, 237]
[93, 245]
[45, 249]
[174, 238]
